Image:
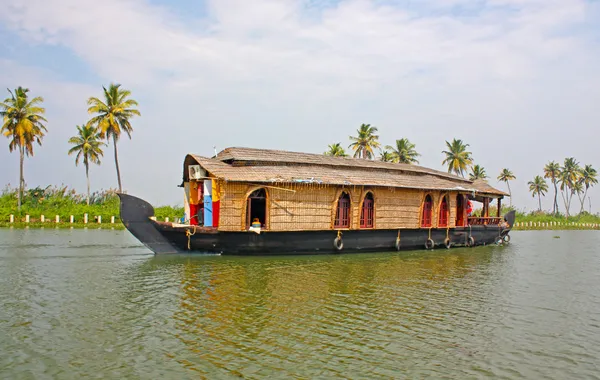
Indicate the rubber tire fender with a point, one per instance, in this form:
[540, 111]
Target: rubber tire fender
[338, 243]
[471, 241]
[448, 243]
[499, 240]
[506, 238]
[429, 244]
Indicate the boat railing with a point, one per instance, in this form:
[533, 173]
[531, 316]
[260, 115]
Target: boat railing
[483, 221]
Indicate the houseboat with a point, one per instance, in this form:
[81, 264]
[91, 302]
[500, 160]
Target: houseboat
[257, 202]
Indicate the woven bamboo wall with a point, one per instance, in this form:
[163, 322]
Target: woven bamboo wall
[312, 206]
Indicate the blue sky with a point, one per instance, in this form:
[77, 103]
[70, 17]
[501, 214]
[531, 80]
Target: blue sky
[516, 79]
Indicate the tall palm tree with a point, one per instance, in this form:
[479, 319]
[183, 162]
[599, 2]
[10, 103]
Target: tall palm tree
[588, 178]
[568, 179]
[87, 145]
[477, 172]
[538, 187]
[22, 125]
[457, 158]
[112, 116]
[507, 176]
[404, 152]
[386, 156]
[552, 171]
[365, 142]
[335, 150]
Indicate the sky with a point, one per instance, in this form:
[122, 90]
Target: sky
[515, 79]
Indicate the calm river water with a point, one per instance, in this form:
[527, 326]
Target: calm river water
[96, 304]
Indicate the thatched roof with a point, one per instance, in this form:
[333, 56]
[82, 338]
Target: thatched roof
[275, 166]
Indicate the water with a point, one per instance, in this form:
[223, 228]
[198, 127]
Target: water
[96, 304]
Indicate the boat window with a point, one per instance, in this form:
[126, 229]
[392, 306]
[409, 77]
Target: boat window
[342, 214]
[460, 210]
[443, 218]
[257, 208]
[366, 213]
[427, 209]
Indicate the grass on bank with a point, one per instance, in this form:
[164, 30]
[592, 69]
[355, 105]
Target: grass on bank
[64, 202]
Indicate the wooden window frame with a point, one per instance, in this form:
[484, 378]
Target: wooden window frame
[249, 207]
[368, 205]
[444, 213]
[346, 203]
[430, 211]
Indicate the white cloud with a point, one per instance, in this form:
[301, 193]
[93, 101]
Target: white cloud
[288, 74]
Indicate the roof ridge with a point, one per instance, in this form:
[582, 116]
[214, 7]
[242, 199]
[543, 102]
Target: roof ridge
[229, 153]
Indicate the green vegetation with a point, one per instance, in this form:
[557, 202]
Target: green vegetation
[22, 124]
[507, 176]
[112, 117]
[336, 150]
[365, 142]
[477, 172]
[87, 145]
[404, 152]
[64, 202]
[457, 158]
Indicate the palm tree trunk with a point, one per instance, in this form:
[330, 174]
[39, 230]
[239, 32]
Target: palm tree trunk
[540, 201]
[562, 193]
[583, 200]
[21, 178]
[509, 193]
[555, 205]
[87, 176]
[117, 164]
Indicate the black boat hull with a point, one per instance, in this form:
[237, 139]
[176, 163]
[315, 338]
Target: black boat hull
[169, 238]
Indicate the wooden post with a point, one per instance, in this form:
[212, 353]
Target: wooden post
[99, 219]
[12, 218]
[499, 207]
[42, 218]
[112, 220]
[26, 218]
[85, 218]
[71, 219]
[167, 219]
[57, 219]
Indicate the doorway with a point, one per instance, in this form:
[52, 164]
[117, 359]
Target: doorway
[256, 208]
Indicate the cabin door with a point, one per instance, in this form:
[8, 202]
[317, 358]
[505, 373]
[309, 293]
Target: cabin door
[257, 208]
[460, 210]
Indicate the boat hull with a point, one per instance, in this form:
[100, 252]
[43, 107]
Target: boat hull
[163, 237]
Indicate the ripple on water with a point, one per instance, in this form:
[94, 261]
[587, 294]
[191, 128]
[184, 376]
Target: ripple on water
[96, 303]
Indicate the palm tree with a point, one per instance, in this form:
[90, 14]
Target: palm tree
[386, 156]
[588, 178]
[568, 179]
[23, 125]
[538, 187]
[365, 142]
[507, 176]
[87, 145]
[404, 152]
[113, 116]
[457, 157]
[477, 172]
[552, 171]
[336, 150]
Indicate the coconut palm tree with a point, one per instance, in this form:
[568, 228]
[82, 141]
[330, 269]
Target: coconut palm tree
[588, 179]
[477, 172]
[89, 147]
[404, 152]
[507, 176]
[569, 179]
[386, 156]
[457, 158]
[552, 171]
[365, 142]
[335, 150]
[22, 125]
[538, 187]
[112, 116]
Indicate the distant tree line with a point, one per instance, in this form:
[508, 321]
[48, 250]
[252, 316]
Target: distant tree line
[570, 178]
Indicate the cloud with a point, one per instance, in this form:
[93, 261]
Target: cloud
[299, 75]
